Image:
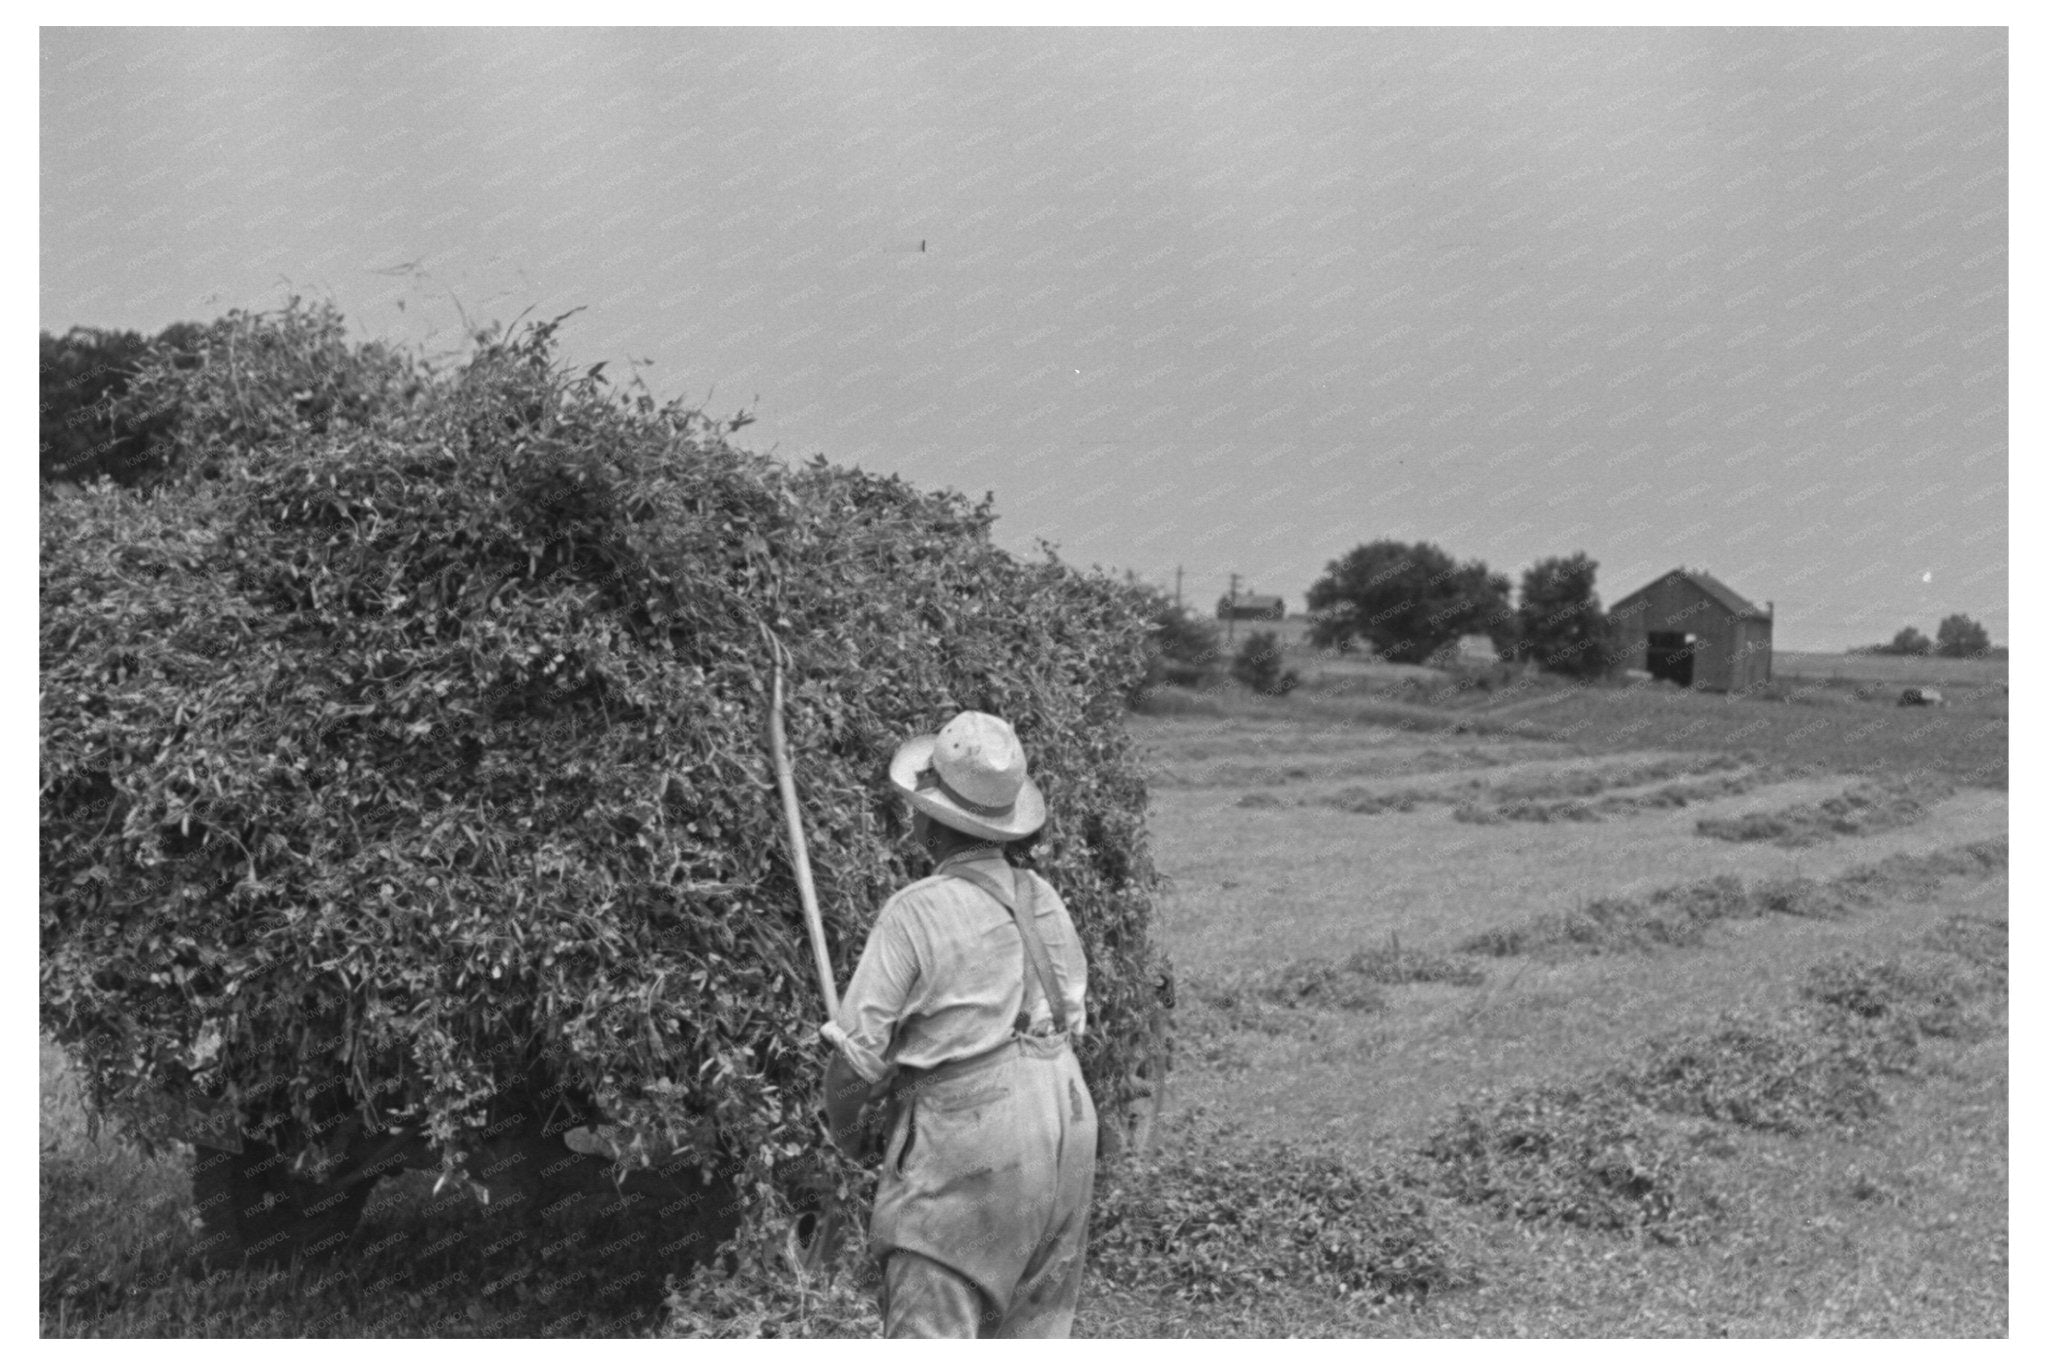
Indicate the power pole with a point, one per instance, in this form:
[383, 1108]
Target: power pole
[1176, 589]
[1230, 614]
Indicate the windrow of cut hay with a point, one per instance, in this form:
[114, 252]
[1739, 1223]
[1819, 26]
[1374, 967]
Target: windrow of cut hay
[1681, 915]
[1620, 1149]
[1867, 808]
[402, 755]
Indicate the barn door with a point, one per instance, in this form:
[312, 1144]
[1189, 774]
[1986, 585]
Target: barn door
[1670, 656]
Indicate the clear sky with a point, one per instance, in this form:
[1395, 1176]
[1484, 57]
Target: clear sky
[1234, 300]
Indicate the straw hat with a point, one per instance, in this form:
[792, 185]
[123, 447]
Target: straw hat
[970, 777]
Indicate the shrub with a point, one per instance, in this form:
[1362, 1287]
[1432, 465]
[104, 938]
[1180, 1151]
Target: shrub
[1183, 648]
[1258, 665]
[402, 758]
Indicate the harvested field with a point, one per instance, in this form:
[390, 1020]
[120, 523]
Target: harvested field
[1687, 1006]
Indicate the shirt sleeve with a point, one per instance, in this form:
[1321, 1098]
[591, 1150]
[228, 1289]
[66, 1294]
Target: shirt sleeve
[879, 995]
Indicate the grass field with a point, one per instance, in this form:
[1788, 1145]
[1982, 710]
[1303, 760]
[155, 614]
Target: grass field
[1593, 1074]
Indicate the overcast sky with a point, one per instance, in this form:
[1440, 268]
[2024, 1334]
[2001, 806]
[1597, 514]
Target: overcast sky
[1233, 300]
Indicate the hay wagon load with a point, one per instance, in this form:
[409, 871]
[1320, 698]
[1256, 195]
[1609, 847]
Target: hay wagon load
[404, 799]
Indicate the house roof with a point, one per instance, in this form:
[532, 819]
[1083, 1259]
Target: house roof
[1713, 587]
[1253, 599]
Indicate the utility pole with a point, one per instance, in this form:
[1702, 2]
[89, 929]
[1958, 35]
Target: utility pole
[1230, 614]
[1176, 589]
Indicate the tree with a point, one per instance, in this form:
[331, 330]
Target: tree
[1182, 646]
[1958, 637]
[1560, 623]
[1909, 641]
[1257, 665]
[89, 428]
[1407, 601]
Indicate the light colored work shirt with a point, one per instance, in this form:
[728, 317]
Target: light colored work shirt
[942, 975]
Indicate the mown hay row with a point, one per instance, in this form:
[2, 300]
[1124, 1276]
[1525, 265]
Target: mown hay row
[1681, 916]
[1612, 1151]
[1547, 797]
[1869, 808]
[1217, 1217]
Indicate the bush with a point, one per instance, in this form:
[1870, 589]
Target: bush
[1258, 665]
[402, 758]
[1183, 648]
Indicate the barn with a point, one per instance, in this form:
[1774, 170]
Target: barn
[1693, 629]
[1250, 606]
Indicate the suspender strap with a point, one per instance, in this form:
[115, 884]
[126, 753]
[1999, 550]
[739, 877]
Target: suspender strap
[1026, 919]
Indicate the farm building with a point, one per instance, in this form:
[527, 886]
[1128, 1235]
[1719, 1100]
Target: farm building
[1695, 630]
[1250, 606]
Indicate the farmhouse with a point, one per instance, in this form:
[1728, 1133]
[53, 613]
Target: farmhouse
[1250, 606]
[1695, 630]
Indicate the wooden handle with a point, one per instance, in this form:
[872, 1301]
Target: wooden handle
[799, 852]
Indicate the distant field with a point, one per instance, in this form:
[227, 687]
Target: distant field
[1888, 668]
[1787, 666]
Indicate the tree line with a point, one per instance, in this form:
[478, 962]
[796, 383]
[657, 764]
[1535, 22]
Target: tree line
[1409, 602]
[1957, 637]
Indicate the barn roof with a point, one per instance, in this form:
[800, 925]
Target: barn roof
[1713, 587]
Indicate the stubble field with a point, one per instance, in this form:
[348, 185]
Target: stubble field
[1540, 906]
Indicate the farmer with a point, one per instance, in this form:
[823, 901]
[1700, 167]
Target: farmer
[954, 1049]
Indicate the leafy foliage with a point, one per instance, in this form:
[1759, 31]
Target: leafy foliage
[1559, 623]
[1183, 647]
[1908, 641]
[1218, 1217]
[1958, 637]
[1407, 601]
[402, 758]
[89, 428]
[1258, 665]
